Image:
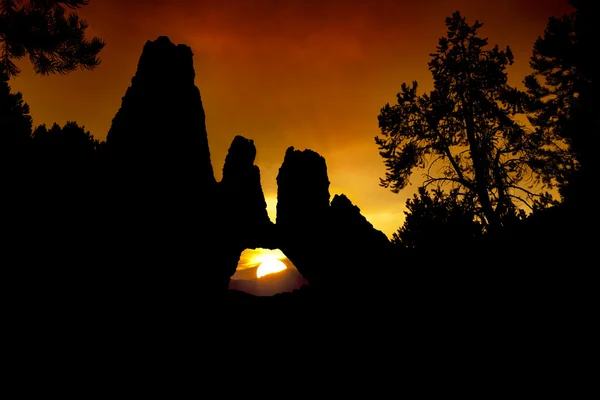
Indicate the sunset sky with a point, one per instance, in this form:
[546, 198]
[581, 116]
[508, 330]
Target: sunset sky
[305, 73]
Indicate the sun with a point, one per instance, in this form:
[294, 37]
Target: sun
[269, 266]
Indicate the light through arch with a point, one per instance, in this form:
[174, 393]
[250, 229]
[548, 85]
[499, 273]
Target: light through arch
[265, 272]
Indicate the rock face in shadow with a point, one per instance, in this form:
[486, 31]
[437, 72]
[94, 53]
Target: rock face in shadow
[302, 213]
[243, 207]
[174, 232]
[302, 188]
[332, 245]
[162, 207]
[161, 122]
[241, 187]
[361, 250]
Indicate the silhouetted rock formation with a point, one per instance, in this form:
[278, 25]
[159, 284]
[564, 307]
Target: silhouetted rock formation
[171, 232]
[242, 203]
[163, 214]
[241, 188]
[302, 212]
[333, 246]
[302, 188]
[351, 223]
[360, 249]
[161, 122]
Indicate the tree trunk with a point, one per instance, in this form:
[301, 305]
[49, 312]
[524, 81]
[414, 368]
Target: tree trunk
[481, 183]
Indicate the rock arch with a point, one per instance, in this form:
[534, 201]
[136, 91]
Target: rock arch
[168, 211]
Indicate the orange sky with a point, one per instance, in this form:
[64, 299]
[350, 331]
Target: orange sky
[304, 73]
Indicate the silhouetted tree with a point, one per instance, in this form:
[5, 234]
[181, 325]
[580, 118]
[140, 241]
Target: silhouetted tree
[15, 121]
[64, 179]
[466, 126]
[68, 155]
[71, 138]
[67, 166]
[54, 41]
[437, 220]
[563, 86]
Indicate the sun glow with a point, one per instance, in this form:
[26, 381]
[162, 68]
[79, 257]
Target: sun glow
[269, 266]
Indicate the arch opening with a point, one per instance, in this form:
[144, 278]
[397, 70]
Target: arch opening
[265, 272]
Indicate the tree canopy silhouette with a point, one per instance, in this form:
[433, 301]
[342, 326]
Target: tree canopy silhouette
[465, 132]
[434, 219]
[563, 86]
[54, 40]
[71, 137]
[15, 121]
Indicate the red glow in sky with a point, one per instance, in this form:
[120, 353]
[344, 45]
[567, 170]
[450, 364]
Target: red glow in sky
[303, 73]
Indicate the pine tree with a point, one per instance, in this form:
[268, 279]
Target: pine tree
[15, 121]
[41, 29]
[465, 133]
[563, 88]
